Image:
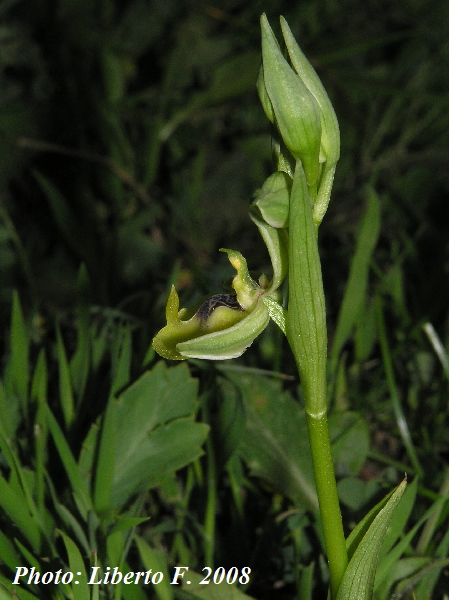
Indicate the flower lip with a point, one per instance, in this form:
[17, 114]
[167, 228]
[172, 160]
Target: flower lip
[209, 305]
[219, 328]
[230, 342]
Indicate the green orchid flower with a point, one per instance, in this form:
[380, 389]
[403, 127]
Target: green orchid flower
[224, 325]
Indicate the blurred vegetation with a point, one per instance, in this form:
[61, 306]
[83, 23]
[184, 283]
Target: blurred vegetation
[131, 143]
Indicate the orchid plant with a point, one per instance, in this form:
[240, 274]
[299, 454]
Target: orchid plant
[288, 210]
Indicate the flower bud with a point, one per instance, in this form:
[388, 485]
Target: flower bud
[273, 199]
[330, 138]
[296, 111]
[264, 97]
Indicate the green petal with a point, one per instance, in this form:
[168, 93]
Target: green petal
[230, 342]
[245, 287]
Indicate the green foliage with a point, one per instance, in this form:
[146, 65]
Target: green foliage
[359, 577]
[276, 444]
[146, 432]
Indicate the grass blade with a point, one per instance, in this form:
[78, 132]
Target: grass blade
[65, 384]
[394, 393]
[355, 293]
[17, 376]
[78, 485]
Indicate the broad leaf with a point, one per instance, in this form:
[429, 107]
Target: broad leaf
[156, 431]
[276, 442]
[348, 431]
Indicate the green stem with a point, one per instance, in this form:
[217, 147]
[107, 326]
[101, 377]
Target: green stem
[211, 503]
[328, 499]
[307, 336]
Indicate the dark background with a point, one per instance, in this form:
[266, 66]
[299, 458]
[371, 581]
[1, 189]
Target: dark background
[132, 141]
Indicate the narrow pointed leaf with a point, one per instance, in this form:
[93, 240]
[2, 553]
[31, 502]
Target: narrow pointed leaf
[358, 580]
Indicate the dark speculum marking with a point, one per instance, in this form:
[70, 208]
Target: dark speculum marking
[209, 305]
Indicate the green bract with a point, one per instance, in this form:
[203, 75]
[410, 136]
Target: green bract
[223, 326]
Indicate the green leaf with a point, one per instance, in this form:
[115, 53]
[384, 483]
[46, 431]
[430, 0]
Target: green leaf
[39, 393]
[17, 374]
[388, 561]
[354, 492]
[9, 591]
[403, 569]
[39, 382]
[126, 523]
[105, 466]
[400, 518]
[156, 432]
[275, 445]
[365, 333]
[115, 547]
[65, 384]
[358, 580]
[347, 431]
[9, 410]
[425, 580]
[89, 452]
[15, 505]
[305, 589]
[79, 487]
[156, 560]
[81, 590]
[122, 365]
[29, 557]
[80, 363]
[8, 553]
[356, 288]
[213, 591]
[356, 535]
[230, 419]
[70, 522]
